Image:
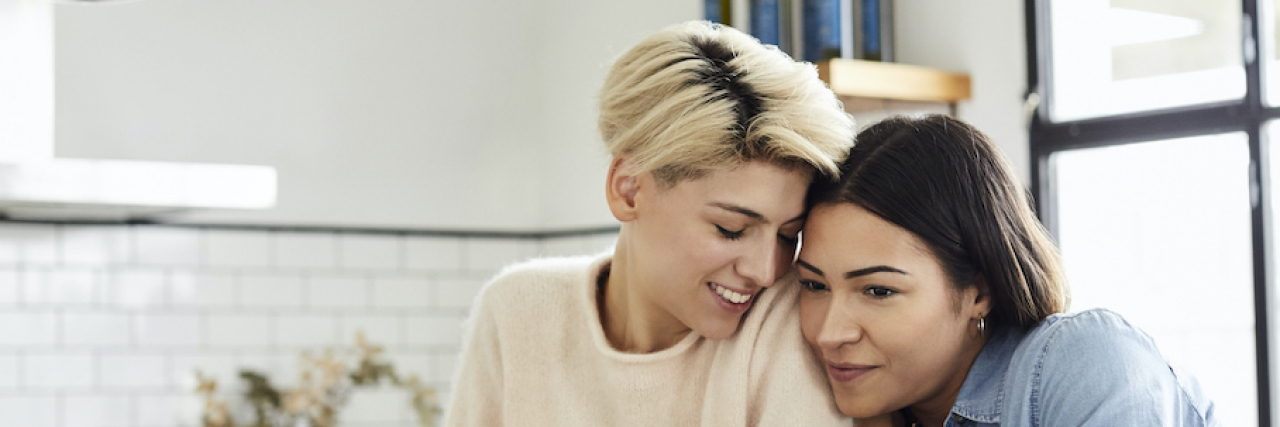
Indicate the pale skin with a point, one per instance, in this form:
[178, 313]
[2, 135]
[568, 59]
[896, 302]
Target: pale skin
[879, 311]
[734, 229]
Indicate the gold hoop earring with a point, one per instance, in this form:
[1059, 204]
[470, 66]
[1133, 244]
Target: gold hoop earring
[982, 326]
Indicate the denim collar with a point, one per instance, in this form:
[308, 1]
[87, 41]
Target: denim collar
[982, 395]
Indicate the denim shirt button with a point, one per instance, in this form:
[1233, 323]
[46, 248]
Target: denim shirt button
[961, 420]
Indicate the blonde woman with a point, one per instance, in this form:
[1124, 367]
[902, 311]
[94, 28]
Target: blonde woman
[715, 139]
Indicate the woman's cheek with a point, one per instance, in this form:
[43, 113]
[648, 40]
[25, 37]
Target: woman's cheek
[812, 311]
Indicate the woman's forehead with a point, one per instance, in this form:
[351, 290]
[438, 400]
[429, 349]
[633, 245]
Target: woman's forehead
[775, 193]
[846, 230]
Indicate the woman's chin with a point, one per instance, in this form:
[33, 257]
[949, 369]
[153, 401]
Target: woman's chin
[882, 420]
[858, 408]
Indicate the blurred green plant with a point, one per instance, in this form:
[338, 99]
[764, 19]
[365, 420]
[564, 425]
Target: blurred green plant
[325, 385]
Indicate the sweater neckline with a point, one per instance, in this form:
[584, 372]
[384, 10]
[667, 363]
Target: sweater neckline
[588, 298]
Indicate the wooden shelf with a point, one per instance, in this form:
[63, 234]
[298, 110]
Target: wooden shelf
[884, 80]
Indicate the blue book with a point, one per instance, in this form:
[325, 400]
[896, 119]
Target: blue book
[712, 10]
[822, 30]
[765, 23]
[871, 29]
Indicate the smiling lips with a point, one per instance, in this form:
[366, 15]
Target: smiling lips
[730, 295]
[730, 300]
[847, 372]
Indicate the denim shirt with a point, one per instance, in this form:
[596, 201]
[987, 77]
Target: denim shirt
[1090, 368]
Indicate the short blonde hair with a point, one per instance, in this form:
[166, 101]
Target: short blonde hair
[698, 97]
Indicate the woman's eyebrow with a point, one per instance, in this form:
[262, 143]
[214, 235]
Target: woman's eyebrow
[810, 267]
[853, 274]
[740, 209]
[751, 213]
[873, 270]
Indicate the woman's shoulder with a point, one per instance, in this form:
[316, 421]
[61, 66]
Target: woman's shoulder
[1076, 342]
[1096, 360]
[532, 272]
[539, 274]
[1097, 326]
[536, 283]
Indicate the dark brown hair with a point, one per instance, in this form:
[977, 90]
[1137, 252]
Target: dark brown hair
[942, 180]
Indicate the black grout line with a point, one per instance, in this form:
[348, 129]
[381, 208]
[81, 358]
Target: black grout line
[135, 341]
[95, 369]
[203, 329]
[402, 254]
[62, 309]
[273, 247]
[432, 232]
[60, 407]
[173, 351]
[135, 407]
[21, 380]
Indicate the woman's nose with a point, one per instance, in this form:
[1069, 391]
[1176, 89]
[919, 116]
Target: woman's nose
[838, 328]
[762, 264]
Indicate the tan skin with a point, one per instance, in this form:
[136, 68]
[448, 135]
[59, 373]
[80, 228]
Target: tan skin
[735, 229]
[879, 312]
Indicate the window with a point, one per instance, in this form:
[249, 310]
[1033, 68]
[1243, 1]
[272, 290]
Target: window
[1123, 56]
[1150, 165]
[1144, 238]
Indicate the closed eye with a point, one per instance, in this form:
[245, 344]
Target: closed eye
[789, 240]
[731, 235]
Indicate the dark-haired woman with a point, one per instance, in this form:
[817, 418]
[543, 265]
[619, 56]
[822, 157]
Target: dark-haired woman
[933, 294]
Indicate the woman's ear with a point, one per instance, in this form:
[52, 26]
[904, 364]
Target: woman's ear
[621, 187]
[981, 298]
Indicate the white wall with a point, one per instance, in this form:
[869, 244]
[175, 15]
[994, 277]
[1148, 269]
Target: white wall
[394, 112]
[391, 113]
[987, 40]
[575, 160]
[404, 113]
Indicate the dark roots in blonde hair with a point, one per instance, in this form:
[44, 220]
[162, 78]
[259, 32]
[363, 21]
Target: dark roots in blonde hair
[699, 97]
[942, 180]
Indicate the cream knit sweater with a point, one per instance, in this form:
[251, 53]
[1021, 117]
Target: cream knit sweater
[536, 355]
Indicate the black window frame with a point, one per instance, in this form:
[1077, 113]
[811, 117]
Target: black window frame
[1247, 115]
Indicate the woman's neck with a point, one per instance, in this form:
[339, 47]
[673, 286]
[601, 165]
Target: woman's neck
[631, 321]
[931, 417]
[934, 412]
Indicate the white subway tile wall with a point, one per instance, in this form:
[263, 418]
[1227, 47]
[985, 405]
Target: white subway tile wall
[88, 328]
[34, 409]
[8, 370]
[369, 252]
[305, 250]
[168, 329]
[136, 288]
[178, 247]
[131, 369]
[26, 328]
[238, 249]
[106, 325]
[32, 245]
[8, 287]
[95, 246]
[62, 287]
[271, 290]
[349, 291]
[96, 411]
